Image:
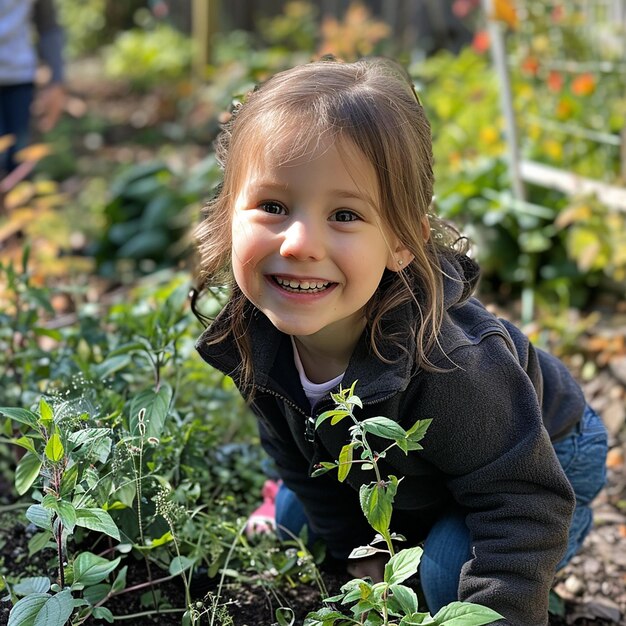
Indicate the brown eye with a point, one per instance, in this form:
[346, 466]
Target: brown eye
[345, 215]
[273, 208]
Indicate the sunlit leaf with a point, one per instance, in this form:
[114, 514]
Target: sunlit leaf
[54, 448]
[465, 614]
[402, 565]
[345, 461]
[27, 472]
[34, 152]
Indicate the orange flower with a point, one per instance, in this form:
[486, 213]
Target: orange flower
[530, 66]
[489, 135]
[564, 109]
[481, 42]
[504, 11]
[584, 85]
[555, 81]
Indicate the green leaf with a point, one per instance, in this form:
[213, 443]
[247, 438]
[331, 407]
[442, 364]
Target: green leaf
[49, 502]
[90, 569]
[111, 365]
[345, 461]
[27, 472]
[377, 503]
[383, 427]
[405, 598]
[323, 617]
[120, 580]
[97, 519]
[48, 332]
[465, 614]
[101, 612]
[54, 448]
[40, 516]
[402, 565]
[335, 415]
[39, 541]
[46, 413]
[87, 435]
[35, 584]
[96, 593]
[25, 611]
[325, 467]
[164, 539]
[23, 416]
[180, 564]
[26, 442]
[56, 611]
[68, 480]
[156, 405]
[418, 430]
[41, 609]
[67, 514]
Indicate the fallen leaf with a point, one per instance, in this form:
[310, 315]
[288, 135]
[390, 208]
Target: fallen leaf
[6, 141]
[33, 153]
[615, 458]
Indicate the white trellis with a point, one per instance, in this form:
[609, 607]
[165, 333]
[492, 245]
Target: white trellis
[602, 28]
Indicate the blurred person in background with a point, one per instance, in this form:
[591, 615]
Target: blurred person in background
[20, 51]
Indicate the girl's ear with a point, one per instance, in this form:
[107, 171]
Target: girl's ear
[399, 258]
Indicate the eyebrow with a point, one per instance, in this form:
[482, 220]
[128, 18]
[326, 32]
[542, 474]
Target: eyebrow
[340, 193]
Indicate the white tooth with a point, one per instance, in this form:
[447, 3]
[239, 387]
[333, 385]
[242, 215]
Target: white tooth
[293, 283]
[305, 285]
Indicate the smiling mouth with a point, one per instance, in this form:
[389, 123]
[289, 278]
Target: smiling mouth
[301, 286]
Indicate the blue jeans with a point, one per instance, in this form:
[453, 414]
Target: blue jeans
[582, 455]
[447, 547]
[15, 101]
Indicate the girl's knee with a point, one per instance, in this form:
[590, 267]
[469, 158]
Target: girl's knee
[585, 451]
[446, 550]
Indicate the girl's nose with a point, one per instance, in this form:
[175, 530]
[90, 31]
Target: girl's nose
[302, 241]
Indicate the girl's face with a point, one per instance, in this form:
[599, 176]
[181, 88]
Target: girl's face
[308, 248]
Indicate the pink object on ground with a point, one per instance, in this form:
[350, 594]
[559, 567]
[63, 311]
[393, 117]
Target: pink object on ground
[263, 519]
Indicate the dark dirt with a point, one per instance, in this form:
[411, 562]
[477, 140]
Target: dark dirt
[240, 604]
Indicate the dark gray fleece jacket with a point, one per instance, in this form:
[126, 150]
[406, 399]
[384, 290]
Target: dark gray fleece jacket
[487, 450]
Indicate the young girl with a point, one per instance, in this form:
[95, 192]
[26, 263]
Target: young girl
[340, 272]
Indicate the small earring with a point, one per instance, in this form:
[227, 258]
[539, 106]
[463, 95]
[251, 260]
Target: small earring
[399, 261]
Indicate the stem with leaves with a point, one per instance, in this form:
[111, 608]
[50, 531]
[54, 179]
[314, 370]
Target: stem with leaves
[377, 497]
[387, 602]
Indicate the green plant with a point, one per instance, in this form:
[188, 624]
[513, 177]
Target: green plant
[64, 459]
[387, 602]
[83, 24]
[148, 215]
[149, 58]
[125, 453]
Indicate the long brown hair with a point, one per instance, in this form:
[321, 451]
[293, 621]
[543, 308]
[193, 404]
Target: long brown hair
[370, 104]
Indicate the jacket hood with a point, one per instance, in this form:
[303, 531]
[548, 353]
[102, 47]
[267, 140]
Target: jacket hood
[460, 278]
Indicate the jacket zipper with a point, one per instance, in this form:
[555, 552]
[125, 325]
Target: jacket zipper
[309, 429]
